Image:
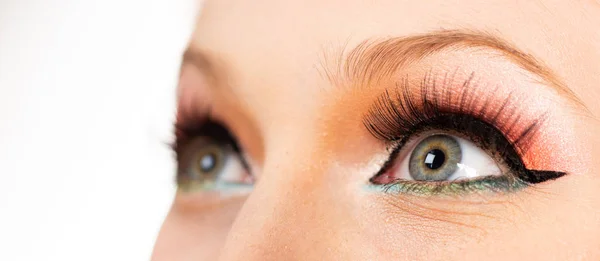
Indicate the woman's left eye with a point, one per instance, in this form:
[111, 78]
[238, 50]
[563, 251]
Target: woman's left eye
[437, 158]
[211, 160]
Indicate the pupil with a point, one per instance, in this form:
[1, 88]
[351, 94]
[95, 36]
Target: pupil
[435, 159]
[207, 163]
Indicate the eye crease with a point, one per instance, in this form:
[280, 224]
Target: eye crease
[435, 163]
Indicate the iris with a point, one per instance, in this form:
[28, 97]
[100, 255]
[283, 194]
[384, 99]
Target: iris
[435, 158]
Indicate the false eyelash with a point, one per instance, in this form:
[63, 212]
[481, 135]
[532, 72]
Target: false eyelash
[195, 124]
[393, 118]
[187, 126]
[396, 118]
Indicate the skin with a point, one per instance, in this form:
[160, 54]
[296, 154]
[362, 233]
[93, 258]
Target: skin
[311, 156]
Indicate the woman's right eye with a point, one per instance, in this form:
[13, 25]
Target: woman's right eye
[211, 161]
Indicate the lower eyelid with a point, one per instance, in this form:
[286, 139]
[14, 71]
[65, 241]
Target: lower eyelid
[449, 216]
[488, 184]
[208, 201]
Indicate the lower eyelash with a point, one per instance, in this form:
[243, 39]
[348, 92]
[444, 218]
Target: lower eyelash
[499, 184]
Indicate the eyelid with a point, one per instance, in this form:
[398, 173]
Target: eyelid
[494, 184]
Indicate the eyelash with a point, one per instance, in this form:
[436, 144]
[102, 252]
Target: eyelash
[396, 118]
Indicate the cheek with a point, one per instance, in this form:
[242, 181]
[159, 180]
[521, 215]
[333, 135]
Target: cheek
[194, 230]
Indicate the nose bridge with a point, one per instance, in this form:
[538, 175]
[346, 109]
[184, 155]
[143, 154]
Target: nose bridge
[286, 215]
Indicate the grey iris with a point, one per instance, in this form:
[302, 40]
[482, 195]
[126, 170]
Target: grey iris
[435, 158]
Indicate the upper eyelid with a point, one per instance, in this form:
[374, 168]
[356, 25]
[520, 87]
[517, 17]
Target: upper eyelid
[214, 70]
[216, 76]
[375, 60]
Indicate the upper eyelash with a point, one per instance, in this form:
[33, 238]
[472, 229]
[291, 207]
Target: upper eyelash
[193, 124]
[187, 126]
[393, 118]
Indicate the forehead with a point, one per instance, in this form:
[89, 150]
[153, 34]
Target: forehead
[267, 44]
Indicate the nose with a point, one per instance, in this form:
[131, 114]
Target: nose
[292, 215]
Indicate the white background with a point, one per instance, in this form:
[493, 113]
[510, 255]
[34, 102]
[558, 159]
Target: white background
[86, 107]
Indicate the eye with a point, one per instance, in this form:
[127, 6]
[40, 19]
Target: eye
[440, 157]
[209, 159]
[454, 139]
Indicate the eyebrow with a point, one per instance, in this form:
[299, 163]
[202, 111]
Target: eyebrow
[200, 60]
[372, 61]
